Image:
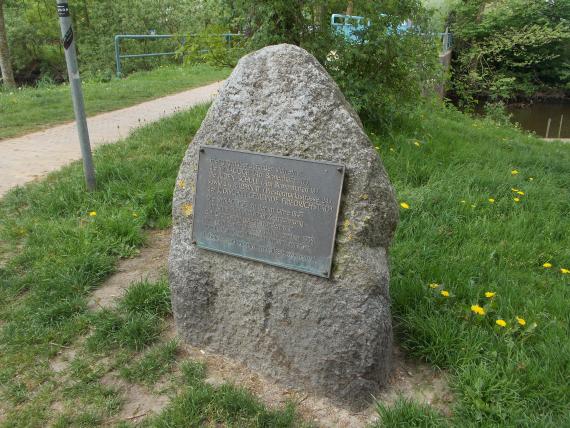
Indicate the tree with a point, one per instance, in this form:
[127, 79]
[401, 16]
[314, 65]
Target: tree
[5, 63]
[505, 49]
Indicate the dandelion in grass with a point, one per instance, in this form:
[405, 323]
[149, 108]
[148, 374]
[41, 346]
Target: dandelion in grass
[517, 200]
[514, 172]
[547, 265]
[521, 321]
[530, 178]
[433, 285]
[490, 294]
[477, 310]
[135, 215]
[444, 293]
[92, 213]
[404, 205]
[514, 190]
[392, 149]
[491, 200]
[520, 192]
[501, 323]
[416, 143]
[564, 271]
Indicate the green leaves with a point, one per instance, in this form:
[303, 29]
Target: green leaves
[509, 48]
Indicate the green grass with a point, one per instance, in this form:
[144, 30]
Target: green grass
[405, 413]
[201, 404]
[153, 365]
[454, 236]
[30, 109]
[54, 254]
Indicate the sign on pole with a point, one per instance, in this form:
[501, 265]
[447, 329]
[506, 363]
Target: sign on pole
[76, 93]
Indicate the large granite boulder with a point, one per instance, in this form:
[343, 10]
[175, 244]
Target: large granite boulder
[330, 336]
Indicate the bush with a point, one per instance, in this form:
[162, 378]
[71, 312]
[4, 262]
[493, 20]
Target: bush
[382, 72]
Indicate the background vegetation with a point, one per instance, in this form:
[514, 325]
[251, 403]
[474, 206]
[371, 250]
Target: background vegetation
[510, 49]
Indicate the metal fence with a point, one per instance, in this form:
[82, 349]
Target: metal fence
[120, 56]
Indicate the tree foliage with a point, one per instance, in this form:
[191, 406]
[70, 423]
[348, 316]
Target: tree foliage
[34, 35]
[509, 48]
[382, 71]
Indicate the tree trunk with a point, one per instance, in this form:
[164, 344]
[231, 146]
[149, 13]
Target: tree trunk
[350, 8]
[5, 64]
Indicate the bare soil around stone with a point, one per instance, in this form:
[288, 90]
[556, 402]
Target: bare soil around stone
[410, 379]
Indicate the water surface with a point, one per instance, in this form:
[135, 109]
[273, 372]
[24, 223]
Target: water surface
[535, 117]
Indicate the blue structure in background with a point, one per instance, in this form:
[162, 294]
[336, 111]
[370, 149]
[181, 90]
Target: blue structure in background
[350, 26]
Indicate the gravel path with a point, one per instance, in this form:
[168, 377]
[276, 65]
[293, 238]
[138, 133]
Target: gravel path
[32, 156]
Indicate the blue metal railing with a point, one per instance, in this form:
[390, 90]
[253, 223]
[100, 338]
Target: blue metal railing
[351, 26]
[118, 56]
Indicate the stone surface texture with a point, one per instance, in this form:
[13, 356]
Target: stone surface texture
[329, 336]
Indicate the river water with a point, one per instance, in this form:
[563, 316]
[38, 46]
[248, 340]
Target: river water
[535, 117]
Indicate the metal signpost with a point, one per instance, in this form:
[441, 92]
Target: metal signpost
[76, 93]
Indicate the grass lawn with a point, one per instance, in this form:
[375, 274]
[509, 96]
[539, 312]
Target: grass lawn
[463, 231]
[31, 109]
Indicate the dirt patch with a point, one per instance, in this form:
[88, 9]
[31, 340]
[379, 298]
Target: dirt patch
[61, 362]
[410, 379]
[149, 265]
[138, 401]
[417, 381]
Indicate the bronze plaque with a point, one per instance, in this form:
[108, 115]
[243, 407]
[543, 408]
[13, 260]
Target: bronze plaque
[273, 209]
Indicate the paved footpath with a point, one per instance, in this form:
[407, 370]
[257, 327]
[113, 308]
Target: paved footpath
[32, 156]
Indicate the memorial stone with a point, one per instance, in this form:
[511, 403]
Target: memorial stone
[283, 214]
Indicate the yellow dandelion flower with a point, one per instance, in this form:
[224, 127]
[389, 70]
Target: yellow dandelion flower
[490, 294]
[444, 293]
[181, 184]
[433, 285]
[501, 323]
[491, 201]
[478, 310]
[564, 271]
[135, 215]
[405, 205]
[516, 199]
[416, 143]
[514, 190]
[392, 149]
[530, 178]
[520, 192]
[187, 210]
[521, 321]
[92, 213]
[547, 265]
[514, 172]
